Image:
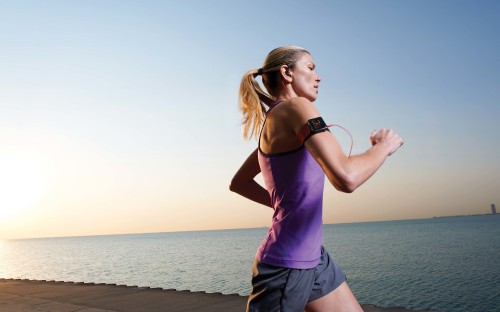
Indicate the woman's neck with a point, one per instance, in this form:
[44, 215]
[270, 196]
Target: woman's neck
[285, 94]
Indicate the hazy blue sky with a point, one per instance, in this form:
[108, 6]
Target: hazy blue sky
[122, 117]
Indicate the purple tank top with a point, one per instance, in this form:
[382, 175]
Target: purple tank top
[295, 183]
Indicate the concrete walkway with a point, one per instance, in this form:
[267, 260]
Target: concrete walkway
[24, 296]
[37, 296]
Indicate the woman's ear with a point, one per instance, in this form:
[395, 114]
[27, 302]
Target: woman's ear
[285, 73]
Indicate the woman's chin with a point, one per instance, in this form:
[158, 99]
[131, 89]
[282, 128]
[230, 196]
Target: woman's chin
[312, 98]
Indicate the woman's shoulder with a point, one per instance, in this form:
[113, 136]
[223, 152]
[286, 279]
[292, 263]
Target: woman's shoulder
[294, 113]
[300, 107]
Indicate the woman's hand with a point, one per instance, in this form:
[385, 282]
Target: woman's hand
[387, 138]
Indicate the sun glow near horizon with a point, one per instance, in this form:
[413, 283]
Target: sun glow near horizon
[22, 185]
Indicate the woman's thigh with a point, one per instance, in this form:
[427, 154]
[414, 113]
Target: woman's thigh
[341, 299]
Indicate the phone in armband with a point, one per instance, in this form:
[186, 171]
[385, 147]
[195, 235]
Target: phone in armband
[313, 126]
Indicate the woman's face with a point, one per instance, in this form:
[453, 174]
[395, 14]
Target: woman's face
[305, 80]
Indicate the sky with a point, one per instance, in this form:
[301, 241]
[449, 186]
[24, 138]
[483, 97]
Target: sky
[122, 116]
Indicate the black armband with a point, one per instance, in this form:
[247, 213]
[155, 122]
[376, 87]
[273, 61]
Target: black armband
[313, 126]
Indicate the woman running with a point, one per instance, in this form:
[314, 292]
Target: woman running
[292, 270]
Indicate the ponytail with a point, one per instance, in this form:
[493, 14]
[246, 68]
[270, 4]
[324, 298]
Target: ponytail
[251, 100]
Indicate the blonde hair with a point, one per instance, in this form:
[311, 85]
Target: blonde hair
[252, 99]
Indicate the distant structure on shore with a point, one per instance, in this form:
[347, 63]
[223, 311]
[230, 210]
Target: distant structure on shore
[493, 209]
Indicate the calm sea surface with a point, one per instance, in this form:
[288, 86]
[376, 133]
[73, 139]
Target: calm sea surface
[449, 264]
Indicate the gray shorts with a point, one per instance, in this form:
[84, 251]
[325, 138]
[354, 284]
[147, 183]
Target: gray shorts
[284, 289]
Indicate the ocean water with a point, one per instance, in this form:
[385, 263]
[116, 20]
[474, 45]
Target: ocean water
[448, 264]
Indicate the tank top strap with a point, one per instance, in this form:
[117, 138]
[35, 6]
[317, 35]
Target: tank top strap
[274, 105]
[265, 119]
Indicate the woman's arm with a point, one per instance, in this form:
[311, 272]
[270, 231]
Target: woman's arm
[345, 173]
[348, 173]
[244, 184]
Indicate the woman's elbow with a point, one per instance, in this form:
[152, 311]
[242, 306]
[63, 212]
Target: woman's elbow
[345, 184]
[233, 186]
[345, 188]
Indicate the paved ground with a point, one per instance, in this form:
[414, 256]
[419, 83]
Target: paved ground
[38, 296]
[24, 296]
